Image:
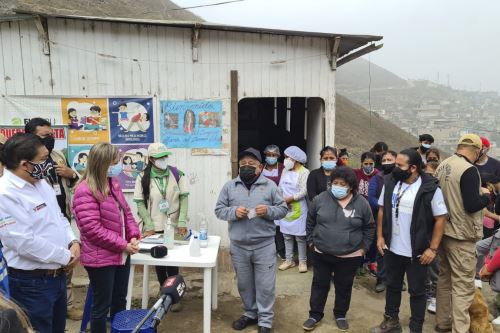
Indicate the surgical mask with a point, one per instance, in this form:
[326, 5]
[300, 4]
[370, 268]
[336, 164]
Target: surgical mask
[271, 160]
[247, 173]
[339, 192]
[289, 163]
[387, 168]
[48, 142]
[41, 170]
[115, 170]
[329, 165]
[401, 175]
[368, 169]
[424, 147]
[161, 163]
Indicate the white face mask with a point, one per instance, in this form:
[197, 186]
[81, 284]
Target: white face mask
[161, 163]
[289, 163]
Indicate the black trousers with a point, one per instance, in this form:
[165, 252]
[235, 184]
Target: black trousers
[395, 268]
[280, 243]
[343, 270]
[163, 272]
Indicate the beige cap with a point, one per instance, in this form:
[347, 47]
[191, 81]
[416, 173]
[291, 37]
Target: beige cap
[158, 150]
[471, 140]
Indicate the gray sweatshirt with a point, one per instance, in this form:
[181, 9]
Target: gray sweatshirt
[337, 231]
[258, 231]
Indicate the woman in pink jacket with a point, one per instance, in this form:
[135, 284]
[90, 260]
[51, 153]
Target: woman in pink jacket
[108, 231]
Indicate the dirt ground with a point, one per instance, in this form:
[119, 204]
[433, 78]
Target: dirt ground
[291, 308]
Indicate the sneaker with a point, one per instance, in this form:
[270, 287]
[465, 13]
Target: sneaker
[478, 283]
[342, 324]
[74, 314]
[388, 325]
[309, 324]
[242, 322]
[263, 329]
[286, 265]
[372, 268]
[302, 266]
[380, 286]
[431, 307]
[177, 307]
[496, 321]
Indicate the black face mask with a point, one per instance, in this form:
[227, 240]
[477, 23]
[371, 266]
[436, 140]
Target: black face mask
[401, 175]
[48, 142]
[247, 173]
[388, 168]
[378, 159]
[423, 149]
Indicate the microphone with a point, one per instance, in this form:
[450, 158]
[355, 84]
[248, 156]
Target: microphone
[172, 290]
[159, 251]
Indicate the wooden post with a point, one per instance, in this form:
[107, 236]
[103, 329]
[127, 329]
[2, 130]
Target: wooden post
[234, 123]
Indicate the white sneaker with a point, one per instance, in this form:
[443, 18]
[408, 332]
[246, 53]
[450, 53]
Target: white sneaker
[478, 283]
[496, 321]
[431, 307]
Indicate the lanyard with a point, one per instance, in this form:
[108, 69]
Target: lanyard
[162, 187]
[399, 196]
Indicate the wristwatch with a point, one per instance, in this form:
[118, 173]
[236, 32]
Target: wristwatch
[75, 176]
[73, 242]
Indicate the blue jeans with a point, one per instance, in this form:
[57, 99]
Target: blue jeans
[43, 299]
[109, 293]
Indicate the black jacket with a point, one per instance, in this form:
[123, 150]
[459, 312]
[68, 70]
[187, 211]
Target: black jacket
[422, 221]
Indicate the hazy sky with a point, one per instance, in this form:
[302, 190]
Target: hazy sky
[421, 37]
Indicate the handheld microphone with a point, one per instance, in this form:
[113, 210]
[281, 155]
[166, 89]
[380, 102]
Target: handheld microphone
[159, 251]
[172, 290]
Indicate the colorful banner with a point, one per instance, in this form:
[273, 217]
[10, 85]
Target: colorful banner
[191, 124]
[78, 156]
[60, 135]
[87, 119]
[131, 120]
[134, 160]
[18, 110]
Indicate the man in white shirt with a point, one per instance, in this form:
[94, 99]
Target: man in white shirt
[410, 225]
[39, 244]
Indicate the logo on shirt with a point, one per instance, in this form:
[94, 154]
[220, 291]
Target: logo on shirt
[6, 220]
[39, 207]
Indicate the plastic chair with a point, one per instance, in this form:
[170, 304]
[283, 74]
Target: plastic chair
[126, 321]
[86, 310]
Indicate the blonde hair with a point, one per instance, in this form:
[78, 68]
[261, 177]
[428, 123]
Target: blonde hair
[6, 304]
[100, 158]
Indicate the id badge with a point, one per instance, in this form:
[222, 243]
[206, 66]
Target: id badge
[395, 229]
[57, 189]
[163, 205]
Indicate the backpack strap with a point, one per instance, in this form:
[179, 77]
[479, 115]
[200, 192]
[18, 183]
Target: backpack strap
[175, 172]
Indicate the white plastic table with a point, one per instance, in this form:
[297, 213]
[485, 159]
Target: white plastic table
[179, 256]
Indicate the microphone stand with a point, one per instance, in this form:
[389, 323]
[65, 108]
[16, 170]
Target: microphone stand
[158, 305]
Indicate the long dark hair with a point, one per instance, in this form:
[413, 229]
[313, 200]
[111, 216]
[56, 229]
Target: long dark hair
[146, 182]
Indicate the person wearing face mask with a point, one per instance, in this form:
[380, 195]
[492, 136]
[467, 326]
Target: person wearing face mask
[410, 224]
[343, 157]
[340, 229]
[365, 173]
[487, 164]
[379, 150]
[319, 179]
[375, 260]
[38, 242]
[293, 184]
[425, 142]
[108, 231]
[161, 192]
[251, 203]
[62, 179]
[465, 199]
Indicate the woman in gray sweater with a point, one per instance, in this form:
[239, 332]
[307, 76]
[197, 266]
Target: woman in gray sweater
[340, 228]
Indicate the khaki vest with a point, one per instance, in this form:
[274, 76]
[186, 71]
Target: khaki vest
[461, 224]
[59, 158]
[172, 197]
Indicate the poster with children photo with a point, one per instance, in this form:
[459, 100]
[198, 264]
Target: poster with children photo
[131, 120]
[78, 156]
[134, 159]
[87, 119]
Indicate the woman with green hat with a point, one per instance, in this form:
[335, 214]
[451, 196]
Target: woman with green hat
[160, 193]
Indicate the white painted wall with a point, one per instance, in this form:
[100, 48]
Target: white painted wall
[93, 58]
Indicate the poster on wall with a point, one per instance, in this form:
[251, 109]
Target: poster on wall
[87, 119]
[78, 156]
[131, 120]
[191, 124]
[134, 160]
[18, 110]
[60, 135]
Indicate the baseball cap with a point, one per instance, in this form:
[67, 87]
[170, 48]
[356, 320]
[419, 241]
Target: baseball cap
[486, 142]
[158, 150]
[471, 140]
[250, 152]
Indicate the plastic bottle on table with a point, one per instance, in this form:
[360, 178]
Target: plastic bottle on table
[203, 232]
[194, 247]
[168, 234]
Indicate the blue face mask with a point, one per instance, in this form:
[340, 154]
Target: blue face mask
[339, 192]
[115, 170]
[426, 145]
[368, 169]
[329, 165]
[271, 160]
